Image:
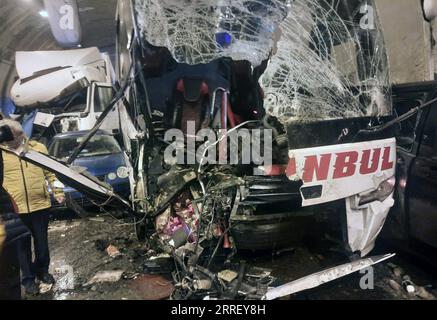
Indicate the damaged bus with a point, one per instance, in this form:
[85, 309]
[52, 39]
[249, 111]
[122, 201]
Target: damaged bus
[302, 86]
[313, 73]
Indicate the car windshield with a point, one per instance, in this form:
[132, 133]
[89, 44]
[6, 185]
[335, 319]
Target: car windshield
[326, 58]
[73, 103]
[99, 145]
[102, 97]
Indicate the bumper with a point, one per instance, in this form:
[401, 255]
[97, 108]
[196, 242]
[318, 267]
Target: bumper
[316, 279]
[264, 230]
[270, 231]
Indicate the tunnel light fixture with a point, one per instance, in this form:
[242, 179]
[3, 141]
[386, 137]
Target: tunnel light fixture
[43, 13]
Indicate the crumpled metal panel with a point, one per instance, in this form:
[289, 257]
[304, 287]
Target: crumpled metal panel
[364, 224]
[316, 279]
[342, 170]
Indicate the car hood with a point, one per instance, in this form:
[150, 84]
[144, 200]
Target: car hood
[101, 165]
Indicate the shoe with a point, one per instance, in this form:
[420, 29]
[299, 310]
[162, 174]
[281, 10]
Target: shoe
[46, 278]
[31, 288]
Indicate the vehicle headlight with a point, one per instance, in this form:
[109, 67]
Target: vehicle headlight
[123, 172]
[384, 190]
[112, 176]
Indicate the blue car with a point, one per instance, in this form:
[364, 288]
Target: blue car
[102, 157]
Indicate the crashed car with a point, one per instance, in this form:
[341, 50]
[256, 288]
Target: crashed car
[241, 119]
[412, 222]
[103, 158]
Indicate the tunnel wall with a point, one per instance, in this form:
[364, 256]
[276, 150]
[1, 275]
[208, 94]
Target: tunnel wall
[408, 40]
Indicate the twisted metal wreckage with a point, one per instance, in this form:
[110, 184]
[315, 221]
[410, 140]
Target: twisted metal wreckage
[313, 72]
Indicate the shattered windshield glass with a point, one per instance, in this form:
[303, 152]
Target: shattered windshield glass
[326, 58]
[99, 145]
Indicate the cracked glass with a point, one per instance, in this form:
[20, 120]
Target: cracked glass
[323, 59]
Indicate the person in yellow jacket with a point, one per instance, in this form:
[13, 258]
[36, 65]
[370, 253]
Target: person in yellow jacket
[2, 227]
[27, 184]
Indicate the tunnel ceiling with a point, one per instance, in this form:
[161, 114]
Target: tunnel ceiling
[23, 28]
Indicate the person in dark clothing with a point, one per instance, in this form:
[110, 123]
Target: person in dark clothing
[10, 287]
[10, 282]
[38, 224]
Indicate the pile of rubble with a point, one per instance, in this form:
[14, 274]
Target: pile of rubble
[403, 285]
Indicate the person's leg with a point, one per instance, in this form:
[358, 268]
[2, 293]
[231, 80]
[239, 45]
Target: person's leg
[10, 287]
[40, 241]
[25, 257]
[25, 252]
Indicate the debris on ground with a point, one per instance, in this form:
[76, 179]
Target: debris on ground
[113, 251]
[395, 286]
[161, 264]
[45, 287]
[409, 287]
[405, 286]
[105, 276]
[97, 219]
[260, 273]
[282, 251]
[398, 272]
[424, 294]
[152, 287]
[227, 275]
[130, 275]
[63, 226]
[406, 278]
[101, 245]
